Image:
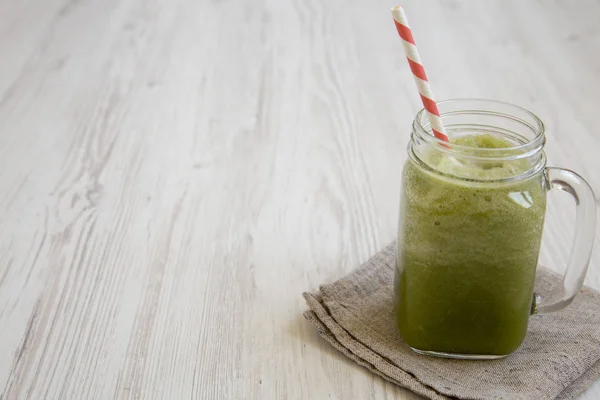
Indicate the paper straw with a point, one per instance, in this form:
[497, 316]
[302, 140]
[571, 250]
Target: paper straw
[416, 66]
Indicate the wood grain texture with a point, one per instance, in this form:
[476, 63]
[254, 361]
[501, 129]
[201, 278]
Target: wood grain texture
[173, 174]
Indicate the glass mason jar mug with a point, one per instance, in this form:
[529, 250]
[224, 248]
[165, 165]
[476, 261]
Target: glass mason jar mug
[471, 220]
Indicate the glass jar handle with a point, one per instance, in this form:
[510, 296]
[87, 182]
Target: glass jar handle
[581, 251]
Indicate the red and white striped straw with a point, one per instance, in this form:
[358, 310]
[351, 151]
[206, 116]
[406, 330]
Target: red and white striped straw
[412, 55]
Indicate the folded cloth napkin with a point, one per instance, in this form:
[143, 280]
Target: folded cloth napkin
[559, 358]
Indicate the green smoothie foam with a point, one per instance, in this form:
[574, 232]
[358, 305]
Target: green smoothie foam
[467, 252]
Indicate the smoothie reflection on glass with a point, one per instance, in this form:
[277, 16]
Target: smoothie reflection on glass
[471, 220]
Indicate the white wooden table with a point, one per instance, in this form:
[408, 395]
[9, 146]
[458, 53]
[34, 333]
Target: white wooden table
[173, 174]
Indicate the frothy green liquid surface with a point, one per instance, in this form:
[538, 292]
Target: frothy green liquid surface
[467, 254]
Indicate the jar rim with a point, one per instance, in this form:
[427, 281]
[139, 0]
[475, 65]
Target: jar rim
[484, 107]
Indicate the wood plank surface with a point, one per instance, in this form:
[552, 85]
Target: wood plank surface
[173, 174]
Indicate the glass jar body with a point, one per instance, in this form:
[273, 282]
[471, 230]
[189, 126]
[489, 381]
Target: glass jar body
[466, 260]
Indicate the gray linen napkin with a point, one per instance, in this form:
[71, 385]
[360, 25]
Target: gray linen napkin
[559, 358]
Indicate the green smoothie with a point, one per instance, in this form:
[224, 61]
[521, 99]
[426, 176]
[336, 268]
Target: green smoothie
[467, 252]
